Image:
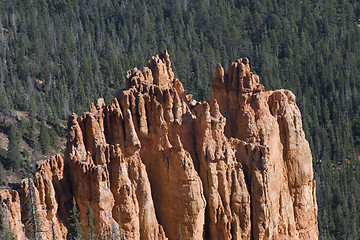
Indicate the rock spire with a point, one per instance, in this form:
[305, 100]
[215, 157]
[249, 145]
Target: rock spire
[235, 167]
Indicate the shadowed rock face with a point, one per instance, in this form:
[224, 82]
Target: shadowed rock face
[235, 167]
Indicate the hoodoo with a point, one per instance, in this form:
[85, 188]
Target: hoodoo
[235, 167]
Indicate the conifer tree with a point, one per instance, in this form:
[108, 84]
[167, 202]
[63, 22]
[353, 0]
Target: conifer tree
[75, 232]
[90, 217]
[44, 139]
[14, 158]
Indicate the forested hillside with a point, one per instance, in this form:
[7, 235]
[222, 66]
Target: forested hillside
[57, 56]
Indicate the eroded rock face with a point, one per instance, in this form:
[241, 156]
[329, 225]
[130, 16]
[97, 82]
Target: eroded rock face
[235, 167]
[287, 202]
[10, 206]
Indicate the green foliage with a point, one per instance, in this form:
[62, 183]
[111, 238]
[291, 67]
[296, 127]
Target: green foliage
[47, 138]
[2, 174]
[75, 232]
[90, 218]
[13, 158]
[3, 154]
[44, 139]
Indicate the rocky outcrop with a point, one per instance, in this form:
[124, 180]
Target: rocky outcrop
[161, 164]
[11, 212]
[270, 119]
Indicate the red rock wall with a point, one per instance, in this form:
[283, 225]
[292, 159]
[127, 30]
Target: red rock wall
[235, 167]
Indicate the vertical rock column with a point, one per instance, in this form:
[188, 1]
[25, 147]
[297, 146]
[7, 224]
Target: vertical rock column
[284, 188]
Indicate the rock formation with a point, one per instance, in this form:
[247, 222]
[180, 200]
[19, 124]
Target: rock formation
[235, 167]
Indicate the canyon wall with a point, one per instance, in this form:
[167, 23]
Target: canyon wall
[162, 164]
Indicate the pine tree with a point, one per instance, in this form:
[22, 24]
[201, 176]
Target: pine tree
[14, 158]
[90, 217]
[75, 232]
[44, 139]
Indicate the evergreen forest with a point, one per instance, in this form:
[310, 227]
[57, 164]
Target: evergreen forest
[57, 56]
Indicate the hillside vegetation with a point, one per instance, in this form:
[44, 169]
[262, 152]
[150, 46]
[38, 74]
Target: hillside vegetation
[57, 56]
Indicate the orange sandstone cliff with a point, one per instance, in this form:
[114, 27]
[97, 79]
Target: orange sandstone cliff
[235, 167]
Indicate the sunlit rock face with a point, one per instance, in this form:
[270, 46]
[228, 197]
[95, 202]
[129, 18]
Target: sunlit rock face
[235, 167]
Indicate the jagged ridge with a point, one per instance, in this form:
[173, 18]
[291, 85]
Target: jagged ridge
[235, 167]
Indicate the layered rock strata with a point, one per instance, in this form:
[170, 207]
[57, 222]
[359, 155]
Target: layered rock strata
[235, 167]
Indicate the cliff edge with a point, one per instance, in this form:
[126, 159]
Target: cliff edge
[235, 167]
